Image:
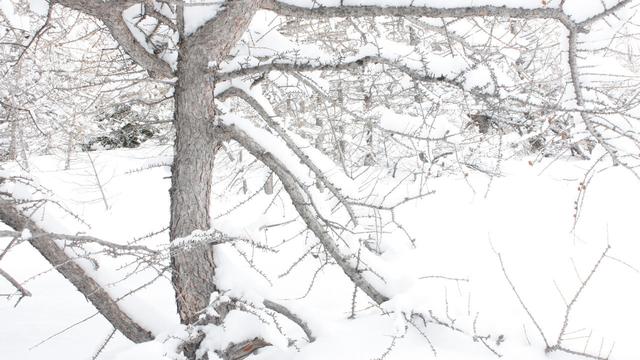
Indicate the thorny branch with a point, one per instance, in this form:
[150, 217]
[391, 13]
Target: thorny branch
[558, 346]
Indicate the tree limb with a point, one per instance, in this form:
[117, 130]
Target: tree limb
[426, 11]
[605, 13]
[233, 91]
[304, 210]
[110, 13]
[580, 101]
[45, 244]
[306, 66]
[150, 10]
[217, 36]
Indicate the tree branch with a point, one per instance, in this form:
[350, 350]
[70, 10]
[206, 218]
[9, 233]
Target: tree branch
[526, 309]
[110, 13]
[282, 310]
[302, 207]
[217, 36]
[24, 292]
[306, 66]
[580, 101]
[426, 11]
[304, 158]
[45, 244]
[605, 13]
[150, 10]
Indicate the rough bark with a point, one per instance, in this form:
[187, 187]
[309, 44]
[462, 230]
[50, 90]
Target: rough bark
[215, 39]
[541, 12]
[194, 152]
[86, 285]
[196, 141]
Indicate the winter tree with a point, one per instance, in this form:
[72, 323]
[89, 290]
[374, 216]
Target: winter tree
[340, 104]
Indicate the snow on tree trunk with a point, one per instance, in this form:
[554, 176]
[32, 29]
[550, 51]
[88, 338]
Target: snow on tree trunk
[193, 268]
[195, 146]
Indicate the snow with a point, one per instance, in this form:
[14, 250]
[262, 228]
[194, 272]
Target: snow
[479, 77]
[26, 234]
[130, 17]
[197, 13]
[242, 326]
[40, 7]
[526, 217]
[16, 20]
[452, 273]
[580, 10]
[163, 348]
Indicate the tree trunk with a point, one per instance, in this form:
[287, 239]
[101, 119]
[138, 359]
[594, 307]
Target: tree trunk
[194, 151]
[195, 146]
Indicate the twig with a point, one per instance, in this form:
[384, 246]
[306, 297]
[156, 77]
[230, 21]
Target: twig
[103, 344]
[100, 186]
[24, 292]
[282, 310]
[526, 309]
[558, 346]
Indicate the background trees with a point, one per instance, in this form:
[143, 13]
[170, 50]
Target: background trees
[394, 95]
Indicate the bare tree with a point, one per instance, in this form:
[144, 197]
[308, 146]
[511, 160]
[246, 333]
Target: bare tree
[209, 68]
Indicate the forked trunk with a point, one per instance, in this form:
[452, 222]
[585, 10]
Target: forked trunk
[195, 146]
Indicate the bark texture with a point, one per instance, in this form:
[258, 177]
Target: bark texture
[194, 151]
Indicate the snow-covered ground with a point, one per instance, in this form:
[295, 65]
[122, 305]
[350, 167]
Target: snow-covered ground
[526, 217]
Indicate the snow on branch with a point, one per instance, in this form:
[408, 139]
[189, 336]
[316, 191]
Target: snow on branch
[221, 28]
[269, 118]
[284, 311]
[207, 237]
[304, 205]
[351, 64]
[452, 9]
